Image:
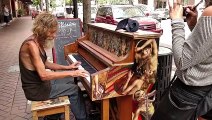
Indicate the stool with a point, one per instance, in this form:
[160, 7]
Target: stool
[49, 107]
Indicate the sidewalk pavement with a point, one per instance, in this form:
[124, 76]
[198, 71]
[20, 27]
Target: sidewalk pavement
[13, 104]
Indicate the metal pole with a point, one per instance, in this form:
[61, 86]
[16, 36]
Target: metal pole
[47, 5]
[75, 9]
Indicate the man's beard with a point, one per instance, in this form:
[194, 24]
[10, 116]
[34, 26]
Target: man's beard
[49, 43]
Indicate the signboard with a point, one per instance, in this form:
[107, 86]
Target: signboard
[69, 30]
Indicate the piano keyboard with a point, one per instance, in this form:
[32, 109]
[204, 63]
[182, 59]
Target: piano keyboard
[84, 64]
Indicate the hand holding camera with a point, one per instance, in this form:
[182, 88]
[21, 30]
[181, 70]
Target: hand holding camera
[190, 8]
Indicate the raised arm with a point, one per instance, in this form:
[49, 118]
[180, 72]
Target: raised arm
[144, 45]
[197, 47]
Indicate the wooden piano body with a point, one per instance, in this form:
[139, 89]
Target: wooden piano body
[111, 57]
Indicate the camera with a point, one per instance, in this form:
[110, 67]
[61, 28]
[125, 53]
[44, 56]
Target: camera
[184, 11]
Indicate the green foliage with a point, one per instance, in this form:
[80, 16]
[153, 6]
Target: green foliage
[36, 2]
[70, 2]
[53, 4]
[20, 12]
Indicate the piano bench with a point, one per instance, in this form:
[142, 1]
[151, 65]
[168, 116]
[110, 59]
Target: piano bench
[49, 107]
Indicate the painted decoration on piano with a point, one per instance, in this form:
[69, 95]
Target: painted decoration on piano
[131, 79]
[137, 79]
[108, 84]
[145, 68]
[118, 45]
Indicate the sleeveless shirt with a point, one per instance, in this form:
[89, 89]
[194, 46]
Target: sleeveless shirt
[34, 88]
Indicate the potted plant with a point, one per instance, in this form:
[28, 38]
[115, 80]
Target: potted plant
[20, 12]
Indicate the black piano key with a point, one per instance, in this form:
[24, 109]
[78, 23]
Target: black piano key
[85, 64]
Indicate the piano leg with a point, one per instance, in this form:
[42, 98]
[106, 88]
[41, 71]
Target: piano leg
[105, 109]
[125, 107]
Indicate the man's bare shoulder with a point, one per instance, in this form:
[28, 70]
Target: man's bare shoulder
[28, 51]
[29, 44]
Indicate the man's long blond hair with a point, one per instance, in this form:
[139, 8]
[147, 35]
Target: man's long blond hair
[42, 24]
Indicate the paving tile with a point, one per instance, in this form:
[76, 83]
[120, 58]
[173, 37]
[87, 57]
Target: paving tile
[3, 107]
[2, 118]
[2, 112]
[7, 115]
[8, 109]
[19, 118]
[5, 103]
[11, 117]
[22, 114]
[16, 111]
[28, 116]
[7, 95]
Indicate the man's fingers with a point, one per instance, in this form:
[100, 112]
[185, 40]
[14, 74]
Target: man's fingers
[84, 75]
[77, 63]
[86, 72]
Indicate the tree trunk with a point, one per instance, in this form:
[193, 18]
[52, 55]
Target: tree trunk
[86, 14]
[47, 5]
[41, 5]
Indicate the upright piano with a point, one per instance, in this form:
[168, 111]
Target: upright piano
[109, 56]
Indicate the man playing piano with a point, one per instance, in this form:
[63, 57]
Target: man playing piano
[33, 63]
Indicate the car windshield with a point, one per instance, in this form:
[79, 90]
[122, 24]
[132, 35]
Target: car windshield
[127, 12]
[143, 7]
[161, 9]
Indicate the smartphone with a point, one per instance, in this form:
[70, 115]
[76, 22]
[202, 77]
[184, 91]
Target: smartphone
[184, 8]
[197, 4]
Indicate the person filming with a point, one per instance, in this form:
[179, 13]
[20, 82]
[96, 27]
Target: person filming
[190, 94]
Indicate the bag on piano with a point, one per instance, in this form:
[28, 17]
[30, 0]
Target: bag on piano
[128, 24]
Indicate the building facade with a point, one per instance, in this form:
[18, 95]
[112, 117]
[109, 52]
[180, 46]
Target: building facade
[14, 6]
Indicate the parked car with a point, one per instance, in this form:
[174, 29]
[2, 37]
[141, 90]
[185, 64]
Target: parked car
[145, 8]
[162, 13]
[112, 14]
[148, 11]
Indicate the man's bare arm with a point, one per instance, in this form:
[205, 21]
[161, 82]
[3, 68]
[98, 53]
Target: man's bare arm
[50, 75]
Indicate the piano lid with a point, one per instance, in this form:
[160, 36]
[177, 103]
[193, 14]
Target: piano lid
[135, 35]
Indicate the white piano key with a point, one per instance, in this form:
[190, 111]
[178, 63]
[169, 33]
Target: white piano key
[79, 67]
